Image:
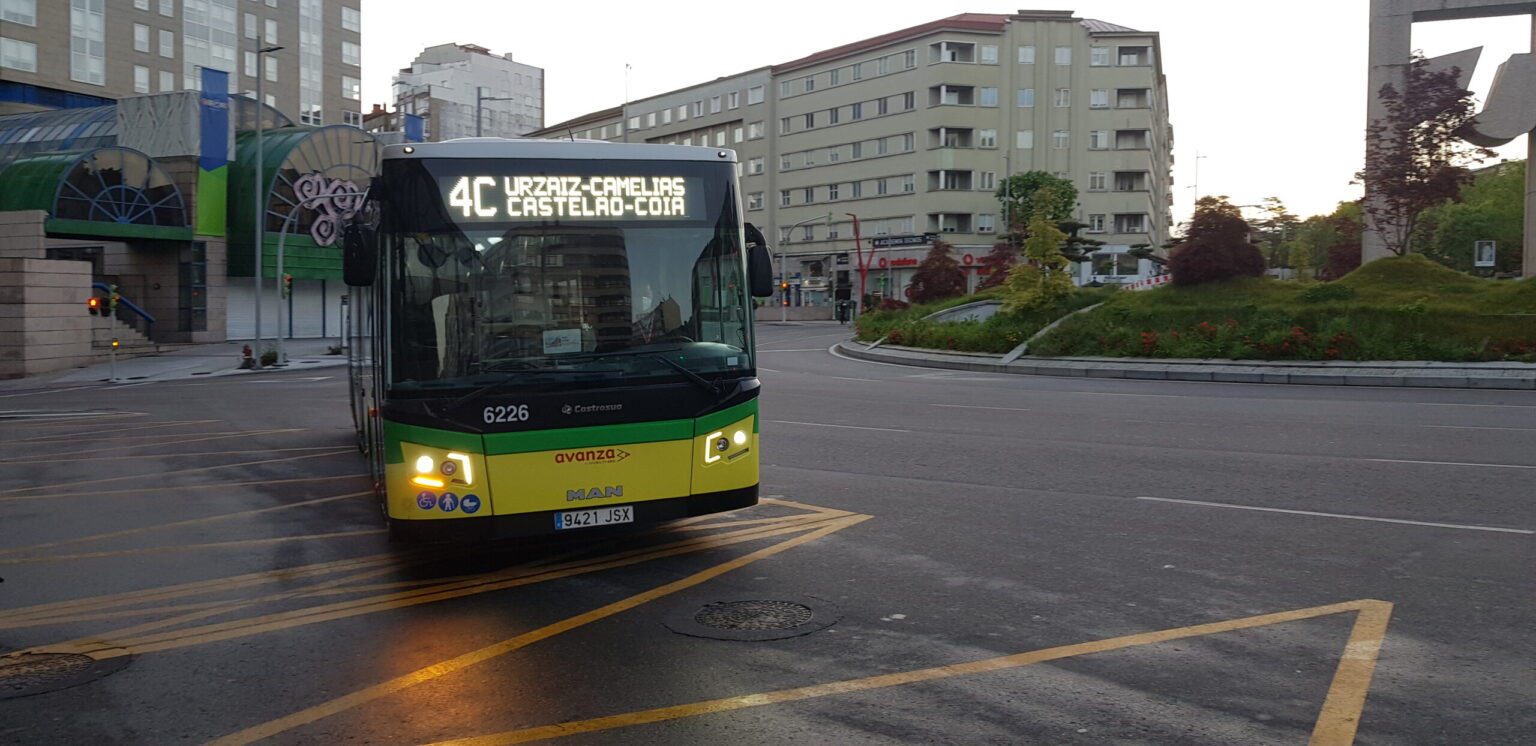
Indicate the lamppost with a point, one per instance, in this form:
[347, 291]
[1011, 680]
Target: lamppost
[261, 204]
[784, 267]
[478, 98]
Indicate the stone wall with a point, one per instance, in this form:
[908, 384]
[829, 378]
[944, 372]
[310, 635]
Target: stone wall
[44, 325]
[22, 235]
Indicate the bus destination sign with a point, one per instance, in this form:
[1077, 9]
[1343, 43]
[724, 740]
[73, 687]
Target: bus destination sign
[503, 198]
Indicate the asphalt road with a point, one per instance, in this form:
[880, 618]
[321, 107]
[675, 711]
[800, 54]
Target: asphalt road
[987, 559]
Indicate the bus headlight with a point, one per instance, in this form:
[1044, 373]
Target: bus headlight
[425, 465]
[740, 436]
[713, 448]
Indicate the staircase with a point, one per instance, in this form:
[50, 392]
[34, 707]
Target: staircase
[130, 343]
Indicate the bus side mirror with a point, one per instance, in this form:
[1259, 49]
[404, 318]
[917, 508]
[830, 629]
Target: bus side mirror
[759, 263]
[359, 255]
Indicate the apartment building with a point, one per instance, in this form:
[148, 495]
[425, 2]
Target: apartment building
[904, 137]
[70, 53]
[463, 90]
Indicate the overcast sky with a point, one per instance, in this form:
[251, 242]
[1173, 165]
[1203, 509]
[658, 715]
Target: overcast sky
[1271, 96]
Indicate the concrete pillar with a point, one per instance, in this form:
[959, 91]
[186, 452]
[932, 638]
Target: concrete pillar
[22, 235]
[1391, 45]
[1528, 250]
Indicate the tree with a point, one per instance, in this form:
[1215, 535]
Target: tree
[1044, 280]
[1413, 156]
[1343, 254]
[1491, 208]
[1277, 229]
[997, 262]
[938, 277]
[1075, 247]
[1024, 195]
[1216, 246]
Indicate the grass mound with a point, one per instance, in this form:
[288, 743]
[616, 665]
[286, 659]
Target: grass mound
[998, 334]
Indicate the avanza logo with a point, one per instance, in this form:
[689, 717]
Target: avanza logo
[616, 490]
[592, 456]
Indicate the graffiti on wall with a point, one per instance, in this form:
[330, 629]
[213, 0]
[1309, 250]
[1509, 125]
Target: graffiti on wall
[334, 201]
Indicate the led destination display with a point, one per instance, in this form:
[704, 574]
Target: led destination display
[503, 198]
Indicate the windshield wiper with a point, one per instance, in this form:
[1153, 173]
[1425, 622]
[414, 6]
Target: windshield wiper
[698, 380]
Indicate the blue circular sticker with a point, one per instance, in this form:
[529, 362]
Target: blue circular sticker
[426, 501]
[448, 502]
[470, 504]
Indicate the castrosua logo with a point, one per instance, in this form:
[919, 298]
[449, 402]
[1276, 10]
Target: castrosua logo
[589, 408]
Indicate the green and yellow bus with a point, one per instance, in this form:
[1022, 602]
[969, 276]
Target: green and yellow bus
[550, 335]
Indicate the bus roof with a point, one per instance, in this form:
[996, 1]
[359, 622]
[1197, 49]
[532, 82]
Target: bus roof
[499, 147]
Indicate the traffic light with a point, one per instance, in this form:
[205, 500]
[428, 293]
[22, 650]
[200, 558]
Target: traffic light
[287, 285]
[784, 293]
[93, 304]
[112, 297]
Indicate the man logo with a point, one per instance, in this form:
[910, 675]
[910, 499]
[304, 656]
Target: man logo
[594, 493]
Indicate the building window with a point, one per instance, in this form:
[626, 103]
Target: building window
[250, 25]
[351, 88]
[698, 108]
[168, 8]
[23, 12]
[1095, 223]
[269, 31]
[1063, 55]
[881, 187]
[880, 147]
[666, 115]
[784, 162]
[810, 83]
[988, 97]
[351, 19]
[988, 54]
[754, 130]
[832, 116]
[1133, 98]
[985, 224]
[1098, 56]
[784, 197]
[352, 118]
[634, 123]
[834, 154]
[784, 126]
[250, 64]
[858, 70]
[88, 41]
[351, 53]
[909, 100]
[1027, 54]
[986, 138]
[810, 157]
[167, 81]
[733, 100]
[810, 120]
[754, 95]
[1097, 181]
[882, 66]
[755, 201]
[1024, 139]
[832, 192]
[810, 195]
[1026, 97]
[908, 142]
[1063, 97]
[650, 119]
[1098, 98]
[858, 150]
[908, 59]
[908, 184]
[269, 68]
[1098, 139]
[755, 165]
[808, 232]
[682, 113]
[856, 111]
[1132, 56]
[882, 108]
[18, 55]
[714, 104]
[1060, 139]
[140, 38]
[141, 4]
[784, 89]
[739, 134]
[1131, 223]
[720, 139]
[988, 180]
[856, 189]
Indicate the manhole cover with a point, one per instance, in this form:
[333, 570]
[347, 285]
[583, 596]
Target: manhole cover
[37, 673]
[753, 619]
[754, 615]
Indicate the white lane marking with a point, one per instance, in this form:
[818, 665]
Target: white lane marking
[17, 415]
[1500, 406]
[845, 427]
[1477, 427]
[808, 349]
[967, 406]
[290, 380]
[768, 370]
[1340, 515]
[45, 391]
[1448, 463]
[866, 380]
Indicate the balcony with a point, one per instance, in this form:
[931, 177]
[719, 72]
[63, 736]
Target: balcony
[952, 51]
[949, 222]
[1133, 98]
[1132, 139]
[951, 137]
[1131, 181]
[952, 95]
[944, 181]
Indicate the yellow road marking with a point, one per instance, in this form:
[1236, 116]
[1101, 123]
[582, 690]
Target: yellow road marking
[159, 456]
[186, 547]
[114, 643]
[175, 471]
[155, 426]
[182, 438]
[204, 486]
[1346, 695]
[179, 524]
[341, 704]
[75, 421]
[1377, 609]
[200, 587]
[774, 500]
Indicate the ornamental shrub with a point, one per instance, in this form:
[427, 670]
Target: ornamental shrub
[1216, 246]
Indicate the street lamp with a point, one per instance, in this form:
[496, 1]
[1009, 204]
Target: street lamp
[784, 267]
[480, 97]
[261, 204]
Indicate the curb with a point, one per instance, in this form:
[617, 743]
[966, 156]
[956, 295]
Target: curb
[1515, 376]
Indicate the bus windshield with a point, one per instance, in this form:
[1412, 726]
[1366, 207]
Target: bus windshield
[558, 272]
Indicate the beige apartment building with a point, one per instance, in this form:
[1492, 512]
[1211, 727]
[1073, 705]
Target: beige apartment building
[905, 136]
